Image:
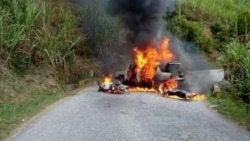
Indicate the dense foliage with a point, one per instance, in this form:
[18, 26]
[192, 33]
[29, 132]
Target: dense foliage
[218, 27]
[39, 41]
[32, 33]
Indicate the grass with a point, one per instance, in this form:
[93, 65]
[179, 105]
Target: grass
[236, 61]
[60, 35]
[228, 10]
[39, 42]
[233, 109]
[232, 15]
[217, 22]
[102, 30]
[21, 97]
[12, 114]
[222, 30]
[219, 27]
[15, 22]
[35, 32]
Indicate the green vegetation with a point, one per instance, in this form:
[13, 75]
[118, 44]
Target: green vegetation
[12, 114]
[23, 96]
[222, 29]
[41, 48]
[102, 29]
[37, 32]
[236, 60]
[233, 108]
[226, 10]
[210, 24]
[193, 31]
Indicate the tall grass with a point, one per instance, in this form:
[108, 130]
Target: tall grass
[17, 18]
[33, 34]
[233, 15]
[59, 34]
[236, 61]
[37, 32]
[226, 9]
[101, 29]
[225, 24]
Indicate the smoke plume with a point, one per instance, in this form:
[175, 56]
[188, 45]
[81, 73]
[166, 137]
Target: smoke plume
[143, 18]
[199, 77]
[144, 22]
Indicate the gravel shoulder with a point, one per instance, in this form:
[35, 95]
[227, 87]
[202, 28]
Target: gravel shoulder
[93, 116]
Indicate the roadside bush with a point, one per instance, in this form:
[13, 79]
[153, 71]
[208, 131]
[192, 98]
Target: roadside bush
[193, 31]
[226, 19]
[243, 23]
[221, 32]
[221, 24]
[236, 61]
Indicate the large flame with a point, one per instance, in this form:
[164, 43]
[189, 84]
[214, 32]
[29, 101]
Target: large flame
[147, 60]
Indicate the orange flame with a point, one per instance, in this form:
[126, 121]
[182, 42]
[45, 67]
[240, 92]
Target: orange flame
[139, 89]
[147, 60]
[198, 97]
[168, 85]
[171, 84]
[107, 79]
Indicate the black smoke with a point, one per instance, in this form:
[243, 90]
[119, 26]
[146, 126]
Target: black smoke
[143, 18]
[144, 23]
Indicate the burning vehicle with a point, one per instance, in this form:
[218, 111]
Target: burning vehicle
[154, 69]
[130, 78]
[148, 73]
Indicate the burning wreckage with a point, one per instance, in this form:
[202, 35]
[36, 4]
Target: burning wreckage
[112, 87]
[125, 81]
[148, 74]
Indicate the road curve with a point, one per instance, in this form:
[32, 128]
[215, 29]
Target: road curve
[93, 116]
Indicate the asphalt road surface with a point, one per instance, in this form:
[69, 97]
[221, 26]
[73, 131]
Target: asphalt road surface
[93, 116]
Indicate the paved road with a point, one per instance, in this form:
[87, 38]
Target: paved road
[93, 116]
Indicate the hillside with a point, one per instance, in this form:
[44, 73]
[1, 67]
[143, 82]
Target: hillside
[47, 45]
[42, 50]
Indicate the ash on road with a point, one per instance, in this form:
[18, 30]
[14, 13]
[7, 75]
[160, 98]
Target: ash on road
[93, 116]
